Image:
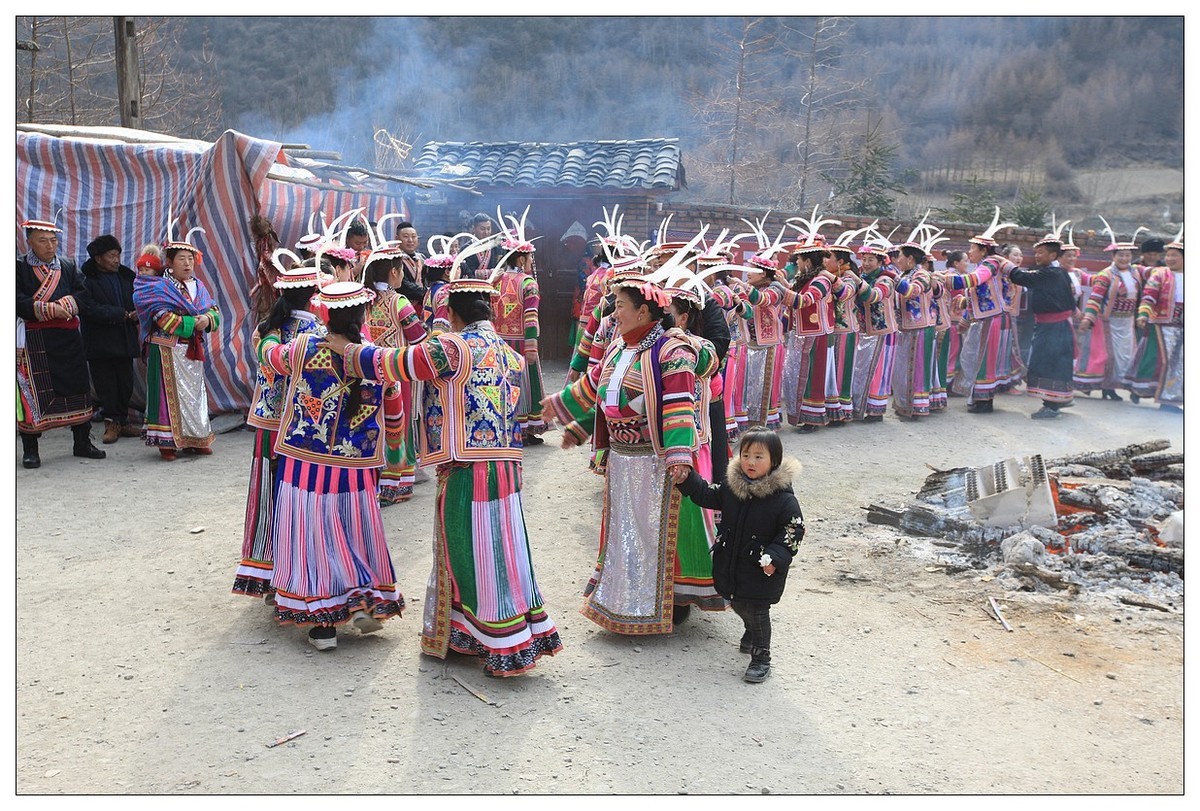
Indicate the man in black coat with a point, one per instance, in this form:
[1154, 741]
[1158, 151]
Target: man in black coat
[52, 377]
[1052, 301]
[480, 265]
[412, 285]
[110, 333]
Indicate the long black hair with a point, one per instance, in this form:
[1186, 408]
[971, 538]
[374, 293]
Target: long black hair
[815, 261]
[292, 298]
[694, 313]
[347, 322]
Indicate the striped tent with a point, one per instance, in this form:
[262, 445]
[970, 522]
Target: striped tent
[105, 186]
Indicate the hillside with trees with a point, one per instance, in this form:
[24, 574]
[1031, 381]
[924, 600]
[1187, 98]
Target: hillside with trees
[865, 115]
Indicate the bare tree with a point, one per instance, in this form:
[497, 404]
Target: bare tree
[827, 103]
[737, 115]
[71, 77]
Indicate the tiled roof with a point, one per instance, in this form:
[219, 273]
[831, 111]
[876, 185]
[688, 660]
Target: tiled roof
[651, 163]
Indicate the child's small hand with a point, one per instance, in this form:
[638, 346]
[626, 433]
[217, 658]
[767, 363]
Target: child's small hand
[769, 569]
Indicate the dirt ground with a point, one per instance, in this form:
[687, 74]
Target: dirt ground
[138, 672]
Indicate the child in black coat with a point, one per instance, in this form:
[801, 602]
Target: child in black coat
[760, 532]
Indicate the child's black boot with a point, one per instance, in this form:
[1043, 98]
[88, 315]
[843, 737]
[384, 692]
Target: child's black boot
[760, 666]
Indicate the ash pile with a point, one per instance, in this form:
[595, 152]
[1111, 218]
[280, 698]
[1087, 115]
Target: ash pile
[1101, 523]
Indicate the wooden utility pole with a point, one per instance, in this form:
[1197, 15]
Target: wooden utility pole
[129, 85]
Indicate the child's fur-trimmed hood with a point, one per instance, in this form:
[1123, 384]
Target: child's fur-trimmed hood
[778, 479]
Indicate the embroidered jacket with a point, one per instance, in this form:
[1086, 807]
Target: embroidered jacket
[708, 382]
[914, 294]
[515, 308]
[315, 423]
[765, 327]
[469, 402]
[984, 287]
[812, 307]
[584, 349]
[392, 321]
[435, 310]
[845, 318]
[1111, 294]
[269, 387]
[1158, 304]
[655, 403]
[876, 311]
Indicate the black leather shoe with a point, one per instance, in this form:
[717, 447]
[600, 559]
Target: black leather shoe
[680, 613]
[1110, 394]
[89, 451]
[31, 460]
[1133, 398]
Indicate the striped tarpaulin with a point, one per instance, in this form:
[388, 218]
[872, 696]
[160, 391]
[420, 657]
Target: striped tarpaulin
[106, 187]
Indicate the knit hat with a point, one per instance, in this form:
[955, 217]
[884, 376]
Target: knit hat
[102, 245]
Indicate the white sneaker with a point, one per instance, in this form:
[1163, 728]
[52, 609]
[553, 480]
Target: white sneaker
[323, 642]
[365, 623]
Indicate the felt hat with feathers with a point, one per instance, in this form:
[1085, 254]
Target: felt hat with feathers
[1055, 236]
[650, 285]
[314, 236]
[334, 243]
[34, 224]
[343, 294]
[174, 244]
[1116, 244]
[810, 230]
[842, 243]
[715, 254]
[988, 237]
[1070, 245]
[513, 234]
[298, 275]
[1177, 242]
[477, 246]
[438, 247]
[874, 243]
[613, 242]
[764, 257]
[675, 278]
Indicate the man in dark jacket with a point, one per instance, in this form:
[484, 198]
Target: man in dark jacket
[110, 333]
[52, 379]
[412, 285]
[1052, 302]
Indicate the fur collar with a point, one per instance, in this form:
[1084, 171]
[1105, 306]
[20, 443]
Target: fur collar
[778, 479]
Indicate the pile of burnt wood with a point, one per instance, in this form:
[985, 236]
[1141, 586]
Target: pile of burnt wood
[1112, 517]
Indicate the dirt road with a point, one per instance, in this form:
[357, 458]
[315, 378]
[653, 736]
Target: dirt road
[139, 672]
